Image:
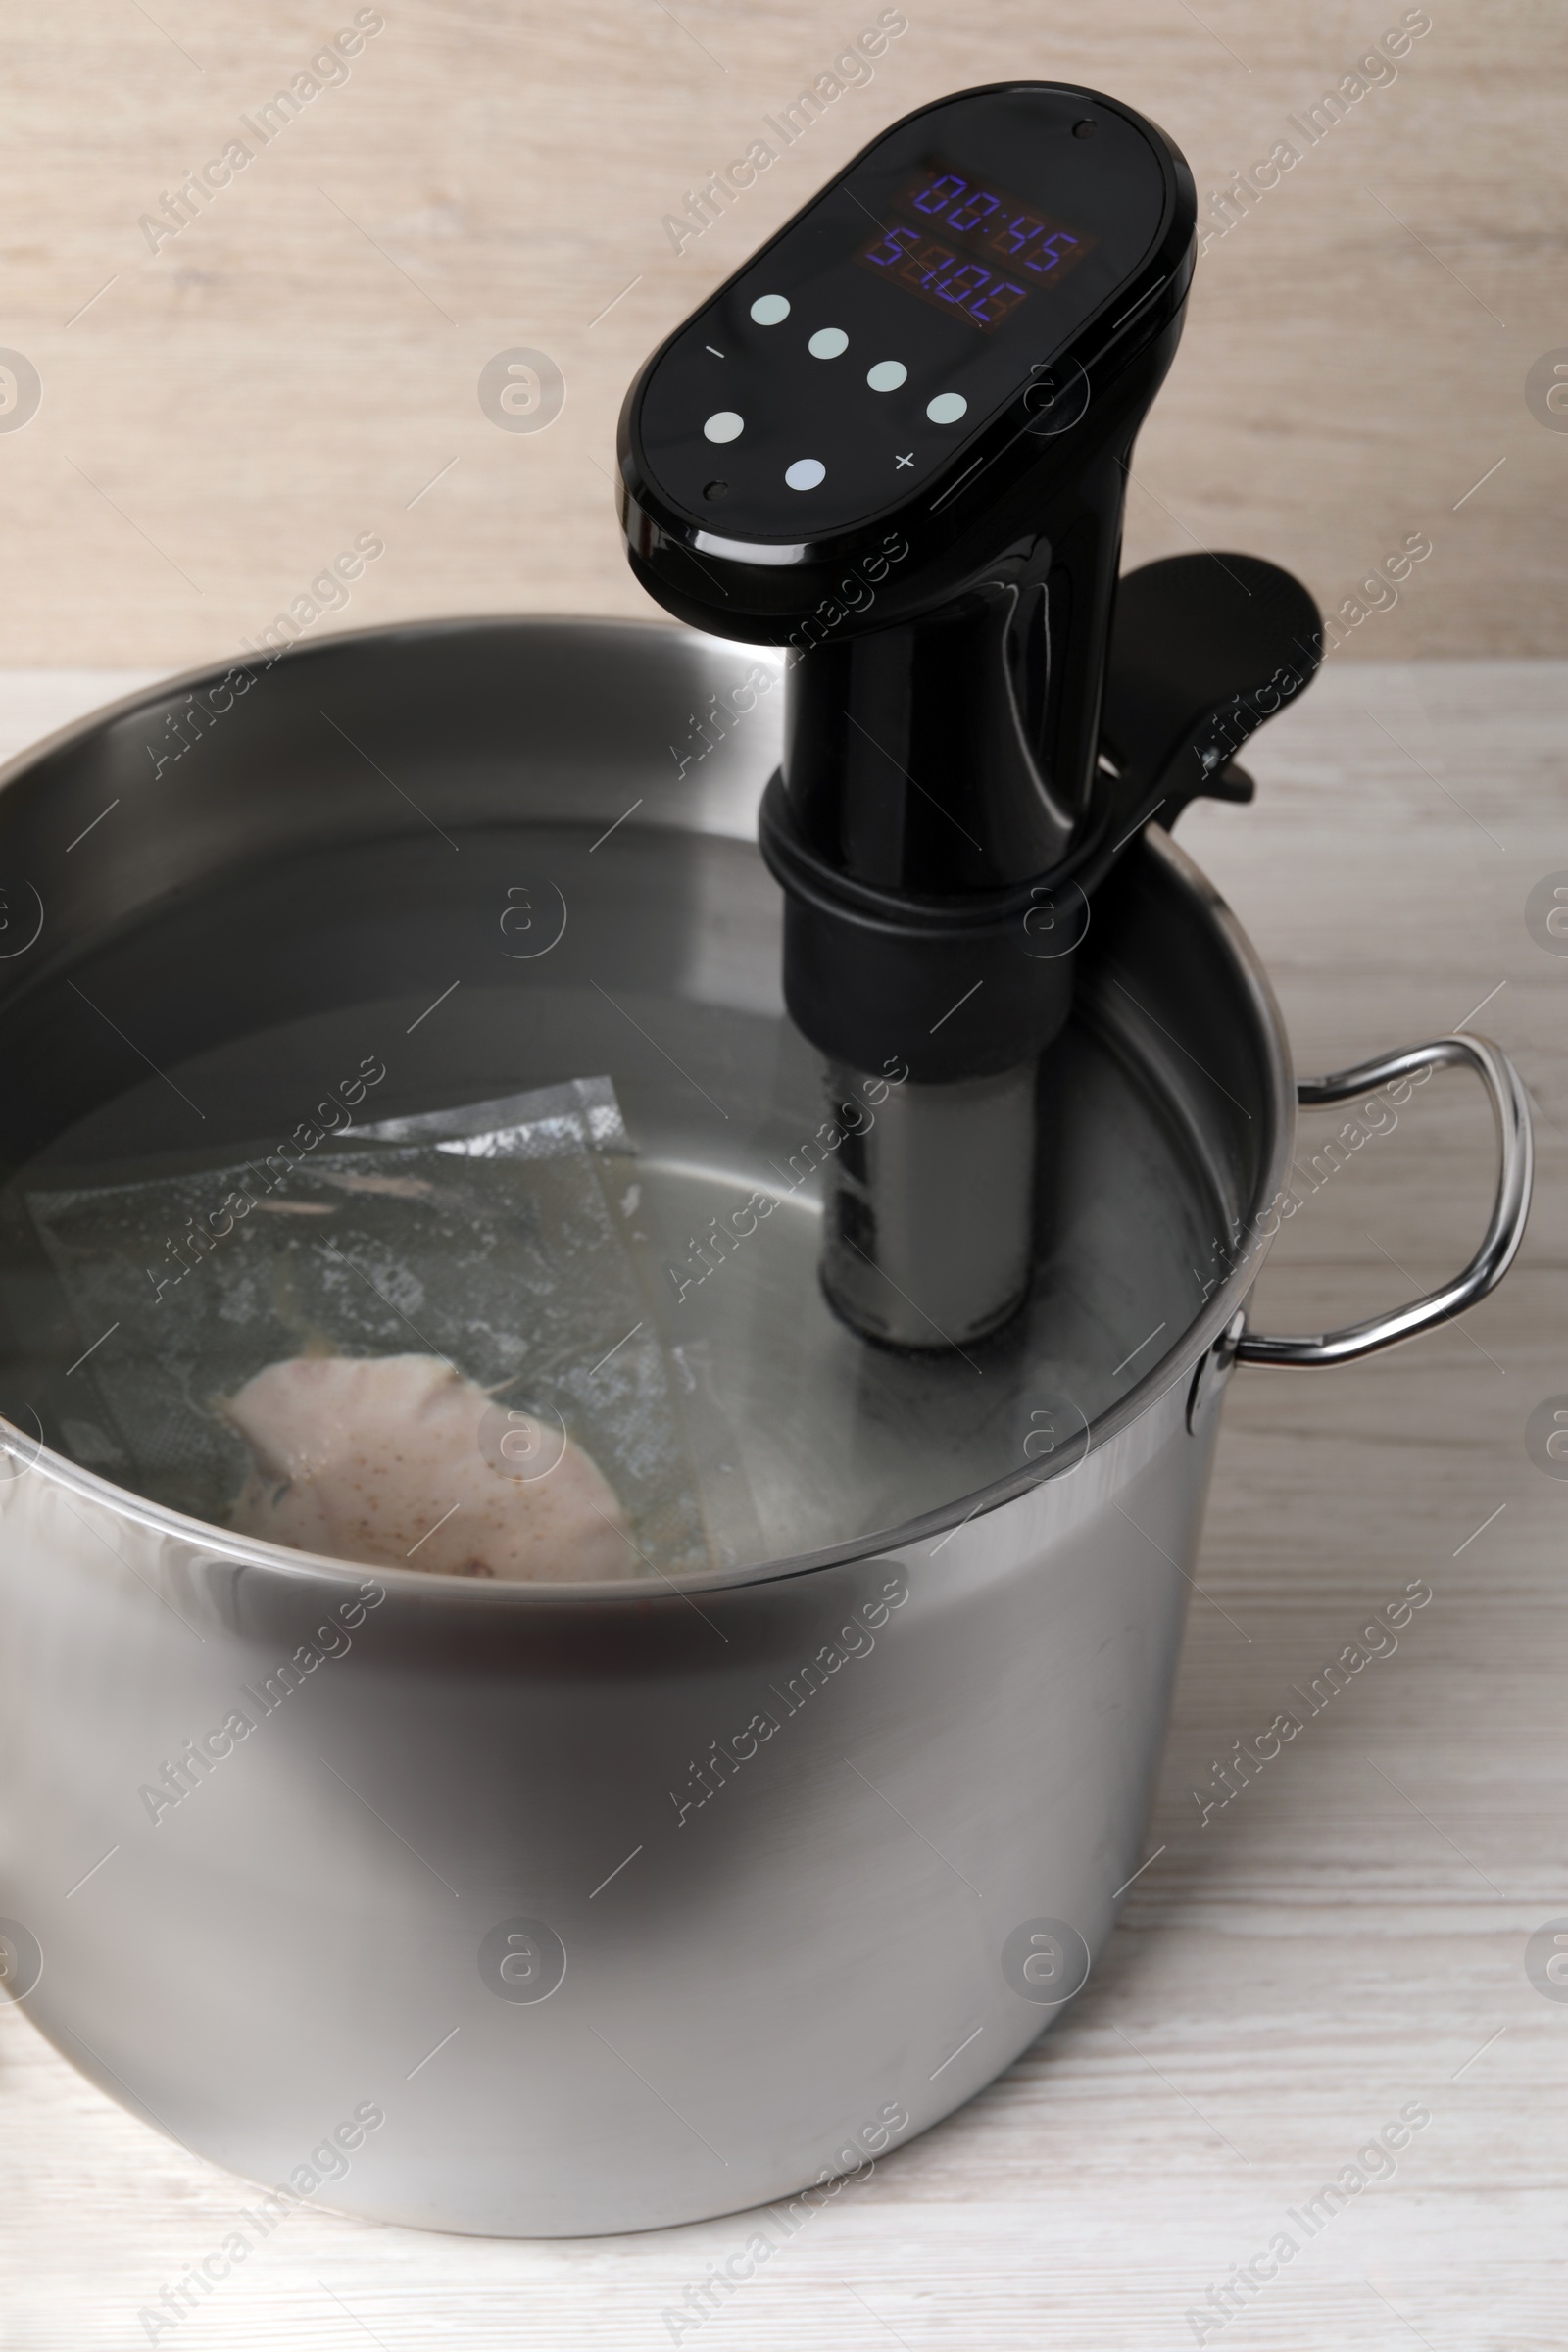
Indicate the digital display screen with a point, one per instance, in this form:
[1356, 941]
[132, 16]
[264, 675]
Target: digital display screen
[949, 221]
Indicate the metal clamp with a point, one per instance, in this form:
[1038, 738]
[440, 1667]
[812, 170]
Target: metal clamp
[1516, 1155]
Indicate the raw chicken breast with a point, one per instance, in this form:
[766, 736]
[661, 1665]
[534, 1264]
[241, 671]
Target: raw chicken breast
[397, 1461]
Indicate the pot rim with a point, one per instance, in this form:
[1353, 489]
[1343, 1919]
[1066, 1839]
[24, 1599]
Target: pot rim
[457, 1592]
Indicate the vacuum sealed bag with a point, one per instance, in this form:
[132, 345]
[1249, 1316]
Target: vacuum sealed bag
[428, 1316]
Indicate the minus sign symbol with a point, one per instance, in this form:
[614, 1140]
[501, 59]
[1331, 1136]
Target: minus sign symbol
[719, 355]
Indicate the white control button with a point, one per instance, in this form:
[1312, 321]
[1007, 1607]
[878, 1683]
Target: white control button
[804, 474]
[724, 426]
[887, 375]
[828, 342]
[947, 408]
[769, 310]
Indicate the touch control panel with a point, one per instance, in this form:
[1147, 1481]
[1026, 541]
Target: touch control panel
[885, 325]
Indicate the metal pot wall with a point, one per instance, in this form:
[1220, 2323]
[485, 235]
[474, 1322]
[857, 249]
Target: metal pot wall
[552, 1910]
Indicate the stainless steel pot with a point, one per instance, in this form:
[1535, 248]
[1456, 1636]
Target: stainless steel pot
[544, 1910]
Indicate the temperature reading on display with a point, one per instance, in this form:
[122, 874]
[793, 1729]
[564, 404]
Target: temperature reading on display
[952, 219]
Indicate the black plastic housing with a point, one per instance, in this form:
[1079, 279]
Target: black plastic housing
[949, 641]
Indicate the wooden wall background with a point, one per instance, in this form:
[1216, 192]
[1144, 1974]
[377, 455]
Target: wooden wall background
[218, 419]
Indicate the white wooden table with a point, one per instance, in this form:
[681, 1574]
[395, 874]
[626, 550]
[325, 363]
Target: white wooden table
[1344, 1939]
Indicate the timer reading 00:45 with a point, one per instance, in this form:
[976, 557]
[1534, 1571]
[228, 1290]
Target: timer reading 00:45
[987, 218]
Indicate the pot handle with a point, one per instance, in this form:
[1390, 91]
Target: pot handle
[1516, 1160]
